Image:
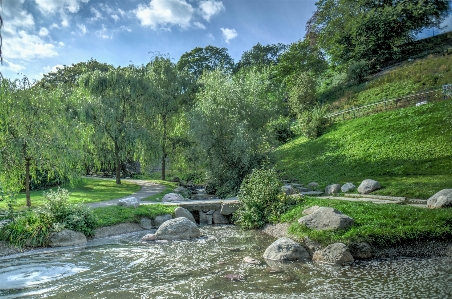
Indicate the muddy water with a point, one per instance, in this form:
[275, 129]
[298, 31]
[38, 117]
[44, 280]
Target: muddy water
[210, 267]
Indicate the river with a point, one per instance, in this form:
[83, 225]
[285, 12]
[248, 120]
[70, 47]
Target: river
[210, 267]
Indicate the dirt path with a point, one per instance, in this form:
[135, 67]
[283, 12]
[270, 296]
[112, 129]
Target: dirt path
[147, 189]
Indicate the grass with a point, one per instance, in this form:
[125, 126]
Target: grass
[378, 224]
[112, 215]
[408, 150]
[85, 191]
[169, 187]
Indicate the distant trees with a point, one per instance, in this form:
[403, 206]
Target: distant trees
[260, 56]
[207, 59]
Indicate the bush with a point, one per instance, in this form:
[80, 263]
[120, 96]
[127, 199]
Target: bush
[314, 123]
[258, 193]
[281, 130]
[358, 71]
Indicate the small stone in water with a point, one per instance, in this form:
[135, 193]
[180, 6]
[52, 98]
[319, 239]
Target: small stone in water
[149, 237]
[250, 260]
[233, 277]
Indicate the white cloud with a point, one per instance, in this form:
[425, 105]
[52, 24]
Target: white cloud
[54, 25]
[61, 44]
[199, 25]
[16, 68]
[97, 14]
[21, 45]
[210, 35]
[43, 32]
[102, 33]
[82, 28]
[210, 8]
[15, 16]
[165, 13]
[54, 69]
[229, 34]
[115, 17]
[53, 6]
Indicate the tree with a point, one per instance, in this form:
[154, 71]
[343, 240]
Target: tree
[171, 90]
[35, 135]
[111, 107]
[260, 56]
[209, 58]
[371, 30]
[229, 123]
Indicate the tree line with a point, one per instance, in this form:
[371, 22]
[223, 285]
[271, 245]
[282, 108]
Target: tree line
[205, 112]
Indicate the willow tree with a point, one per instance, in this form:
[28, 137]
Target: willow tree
[112, 109]
[172, 89]
[35, 135]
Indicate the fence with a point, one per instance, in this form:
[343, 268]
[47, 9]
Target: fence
[396, 103]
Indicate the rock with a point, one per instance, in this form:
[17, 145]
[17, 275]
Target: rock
[250, 260]
[288, 190]
[205, 217]
[313, 185]
[441, 199]
[149, 237]
[228, 208]
[337, 253]
[310, 210]
[347, 187]
[183, 191]
[217, 218]
[182, 212]
[172, 197]
[129, 202]
[6, 249]
[66, 237]
[159, 220]
[146, 223]
[285, 249]
[311, 193]
[333, 189]
[368, 186]
[177, 229]
[325, 218]
[311, 245]
[233, 277]
[360, 250]
[276, 230]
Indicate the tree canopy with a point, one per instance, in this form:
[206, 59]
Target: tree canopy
[209, 58]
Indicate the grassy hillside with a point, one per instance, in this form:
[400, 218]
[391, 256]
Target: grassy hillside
[408, 150]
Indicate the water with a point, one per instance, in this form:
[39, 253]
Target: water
[124, 267]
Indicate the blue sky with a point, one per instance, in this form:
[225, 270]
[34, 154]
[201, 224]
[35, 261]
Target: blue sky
[39, 35]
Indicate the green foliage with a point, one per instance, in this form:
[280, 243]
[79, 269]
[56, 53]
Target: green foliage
[229, 123]
[313, 123]
[378, 224]
[258, 198]
[358, 71]
[8, 199]
[206, 59]
[112, 215]
[260, 56]
[281, 129]
[410, 142]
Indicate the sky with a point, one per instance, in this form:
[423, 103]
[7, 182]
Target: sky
[41, 35]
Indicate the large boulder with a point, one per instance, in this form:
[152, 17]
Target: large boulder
[228, 208]
[172, 197]
[441, 199]
[368, 186]
[324, 218]
[337, 253]
[66, 237]
[182, 212]
[218, 218]
[183, 191]
[313, 185]
[159, 220]
[177, 229]
[129, 202]
[288, 189]
[285, 249]
[333, 189]
[347, 187]
[360, 250]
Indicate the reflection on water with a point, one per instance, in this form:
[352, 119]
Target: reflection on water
[211, 267]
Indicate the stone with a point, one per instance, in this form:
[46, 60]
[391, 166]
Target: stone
[228, 208]
[311, 193]
[182, 212]
[205, 217]
[311, 245]
[177, 229]
[146, 223]
[183, 191]
[66, 237]
[333, 189]
[325, 218]
[149, 237]
[360, 250]
[337, 253]
[441, 199]
[310, 210]
[250, 260]
[288, 190]
[159, 220]
[313, 185]
[172, 197]
[347, 187]
[285, 249]
[218, 218]
[368, 186]
[129, 202]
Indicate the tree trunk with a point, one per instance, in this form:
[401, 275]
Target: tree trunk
[164, 148]
[27, 182]
[118, 164]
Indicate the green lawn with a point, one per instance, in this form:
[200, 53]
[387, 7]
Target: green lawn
[85, 191]
[408, 150]
[378, 224]
[170, 186]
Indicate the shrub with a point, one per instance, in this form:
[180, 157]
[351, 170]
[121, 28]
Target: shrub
[313, 123]
[258, 193]
[358, 71]
[281, 130]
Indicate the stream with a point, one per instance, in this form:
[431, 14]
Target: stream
[210, 267]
